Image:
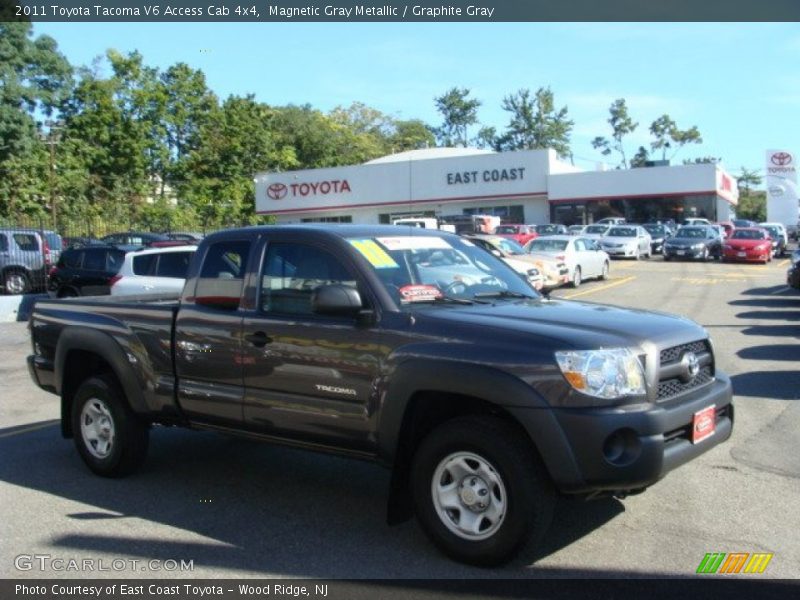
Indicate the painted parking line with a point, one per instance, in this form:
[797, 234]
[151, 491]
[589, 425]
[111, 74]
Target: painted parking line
[783, 263]
[29, 429]
[602, 287]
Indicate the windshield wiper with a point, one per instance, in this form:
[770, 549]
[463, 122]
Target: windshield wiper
[503, 294]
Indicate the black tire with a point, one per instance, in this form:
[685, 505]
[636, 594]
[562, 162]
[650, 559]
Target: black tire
[16, 281]
[129, 438]
[576, 277]
[704, 258]
[528, 499]
[667, 258]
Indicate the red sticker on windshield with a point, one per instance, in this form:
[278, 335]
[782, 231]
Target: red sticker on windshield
[419, 293]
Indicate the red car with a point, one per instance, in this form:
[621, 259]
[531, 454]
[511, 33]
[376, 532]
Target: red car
[522, 234]
[748, 244]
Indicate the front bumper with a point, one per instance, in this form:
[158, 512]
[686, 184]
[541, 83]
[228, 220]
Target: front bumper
[683, 252]
[622, 252]
[42, 371]
[579, 445]
[749, 255]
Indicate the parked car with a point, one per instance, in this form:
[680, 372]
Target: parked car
[512, 254]
[780, 228]
[728, 227]
[749, 244]
[658, 235]
[191, 237]
[153, 271]
[131, 240]
[551, 229]
[695, 241]
[744, 223]
[81, 242]
[23, 260]
[552, 271]
[695, 221]
[575, 229]
[584, 257]
[521, 234]
[627, 241]
[485, 402]
[778, 239]
[611, 221]
[793, 276]
[596, 231]
[87, 271]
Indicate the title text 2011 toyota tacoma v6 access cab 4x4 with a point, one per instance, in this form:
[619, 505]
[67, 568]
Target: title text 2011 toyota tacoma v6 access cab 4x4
[410, 347]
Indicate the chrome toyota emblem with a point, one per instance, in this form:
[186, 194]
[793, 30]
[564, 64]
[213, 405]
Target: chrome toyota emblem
[277, 191]
[691, 366]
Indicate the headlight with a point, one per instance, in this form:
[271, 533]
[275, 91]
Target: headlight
[610, 373]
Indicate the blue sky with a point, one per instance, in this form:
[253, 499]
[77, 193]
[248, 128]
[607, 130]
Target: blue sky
[738, 82]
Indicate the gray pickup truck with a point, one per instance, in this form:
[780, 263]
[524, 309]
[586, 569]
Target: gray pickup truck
[413, 348]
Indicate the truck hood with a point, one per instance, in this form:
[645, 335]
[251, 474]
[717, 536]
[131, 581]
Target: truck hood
[574, 324]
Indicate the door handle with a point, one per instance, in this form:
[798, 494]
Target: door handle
[259, 339]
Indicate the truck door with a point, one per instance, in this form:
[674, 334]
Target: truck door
[309, 377]
[208, 353]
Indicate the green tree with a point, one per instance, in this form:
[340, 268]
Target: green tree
[34, 78]
[752, 205]
[621, 126]
[640, 158]
[486, 138]
[748, 178]
[412, 134]
[668, 136]
[459, 112]
[535, 123]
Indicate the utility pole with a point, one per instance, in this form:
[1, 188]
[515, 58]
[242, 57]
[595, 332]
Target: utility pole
[53, 137]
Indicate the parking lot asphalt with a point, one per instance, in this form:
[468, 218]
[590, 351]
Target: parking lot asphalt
[242, 509]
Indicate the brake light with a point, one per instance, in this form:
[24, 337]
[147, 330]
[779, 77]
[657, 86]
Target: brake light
[48, 260]
[114, 280]
[52, 271]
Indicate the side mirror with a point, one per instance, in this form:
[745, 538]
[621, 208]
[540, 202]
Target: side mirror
[336, 300]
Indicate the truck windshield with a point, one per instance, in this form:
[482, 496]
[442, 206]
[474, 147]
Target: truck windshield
[432, 269]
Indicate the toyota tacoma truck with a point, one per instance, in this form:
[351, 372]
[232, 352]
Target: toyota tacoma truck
[413, 348]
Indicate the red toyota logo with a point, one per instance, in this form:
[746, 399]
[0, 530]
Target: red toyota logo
[276, 191]
[781, 159]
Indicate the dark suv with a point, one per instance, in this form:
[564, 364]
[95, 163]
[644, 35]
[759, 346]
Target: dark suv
[85, 271]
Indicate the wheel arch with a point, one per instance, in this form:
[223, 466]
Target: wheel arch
[83, 353]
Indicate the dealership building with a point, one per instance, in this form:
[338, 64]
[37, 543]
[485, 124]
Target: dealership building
[530, 186]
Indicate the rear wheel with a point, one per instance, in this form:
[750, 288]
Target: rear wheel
[110, 438]
[17, 282]
[576, 277]
[480, 491]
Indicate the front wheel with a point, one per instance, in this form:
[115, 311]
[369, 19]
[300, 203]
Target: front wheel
[17, 282]
[480, 491]
[110, 438]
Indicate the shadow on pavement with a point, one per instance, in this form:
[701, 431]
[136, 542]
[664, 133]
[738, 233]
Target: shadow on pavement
[781, 315]
[773, 330]
[765, 291]
[771, 352]
[761, 384]
[768, 302]
[250, 508]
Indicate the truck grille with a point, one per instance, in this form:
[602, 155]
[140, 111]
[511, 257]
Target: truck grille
[672, 354]
[673, 379]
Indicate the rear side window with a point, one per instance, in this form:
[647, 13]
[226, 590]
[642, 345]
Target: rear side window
[71, 259]
[114, 260]
[54, 241]
[173, 264]
[3, 243]
[94, 260]
[222, 275]
[145, 264]
[26, 242]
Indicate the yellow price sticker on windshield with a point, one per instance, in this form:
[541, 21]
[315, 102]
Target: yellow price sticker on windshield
[376, 255]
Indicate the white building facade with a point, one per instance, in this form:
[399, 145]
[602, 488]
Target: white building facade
[531, 186]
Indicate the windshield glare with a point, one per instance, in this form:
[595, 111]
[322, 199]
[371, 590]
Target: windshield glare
[429, 269]
[597, 229]
[508, 246]
[747, 234]
[622, 232]
[547, 245]
[691, 233]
